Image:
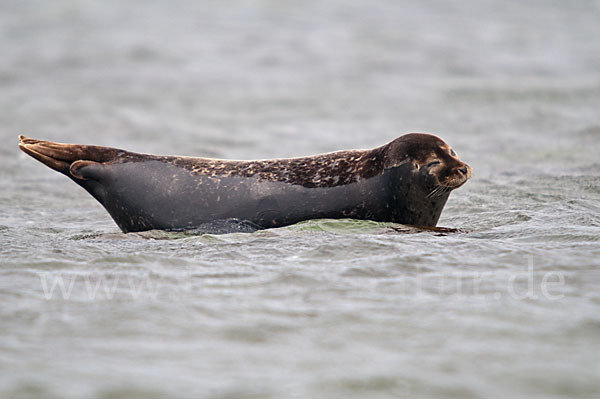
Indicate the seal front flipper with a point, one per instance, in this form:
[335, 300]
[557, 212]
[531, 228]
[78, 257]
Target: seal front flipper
[77, 161]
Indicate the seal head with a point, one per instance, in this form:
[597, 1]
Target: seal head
[436, 165]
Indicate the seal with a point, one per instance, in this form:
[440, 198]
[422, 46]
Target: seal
[406, 181]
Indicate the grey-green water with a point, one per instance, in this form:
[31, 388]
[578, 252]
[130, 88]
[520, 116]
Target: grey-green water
[508, 308]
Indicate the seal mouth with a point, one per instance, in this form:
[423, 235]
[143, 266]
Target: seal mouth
[441, 189]
[455, 182]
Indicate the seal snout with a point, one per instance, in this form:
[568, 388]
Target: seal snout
[460, 175]
[465, 171]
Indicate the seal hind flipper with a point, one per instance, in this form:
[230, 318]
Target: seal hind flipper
[69, 159]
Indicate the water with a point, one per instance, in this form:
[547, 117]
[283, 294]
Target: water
[507, 307]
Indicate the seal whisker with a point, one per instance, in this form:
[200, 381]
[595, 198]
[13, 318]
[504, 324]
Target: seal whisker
[438, 191]
[445, 189]
[434, 191]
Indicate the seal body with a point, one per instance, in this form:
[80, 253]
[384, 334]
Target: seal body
[391, 183]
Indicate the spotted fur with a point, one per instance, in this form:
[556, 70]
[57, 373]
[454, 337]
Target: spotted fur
[324, 170]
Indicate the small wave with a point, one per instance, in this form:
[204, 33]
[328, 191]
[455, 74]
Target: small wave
[217, 227]
[354, 226]
[225, 226]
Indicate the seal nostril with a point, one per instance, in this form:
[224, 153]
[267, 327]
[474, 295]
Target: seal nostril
[463, 170]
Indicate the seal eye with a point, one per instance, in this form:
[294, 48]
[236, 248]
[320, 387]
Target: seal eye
[452, 152]
[430, 164]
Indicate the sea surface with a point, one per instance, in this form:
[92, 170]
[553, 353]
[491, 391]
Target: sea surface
[507, 307]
